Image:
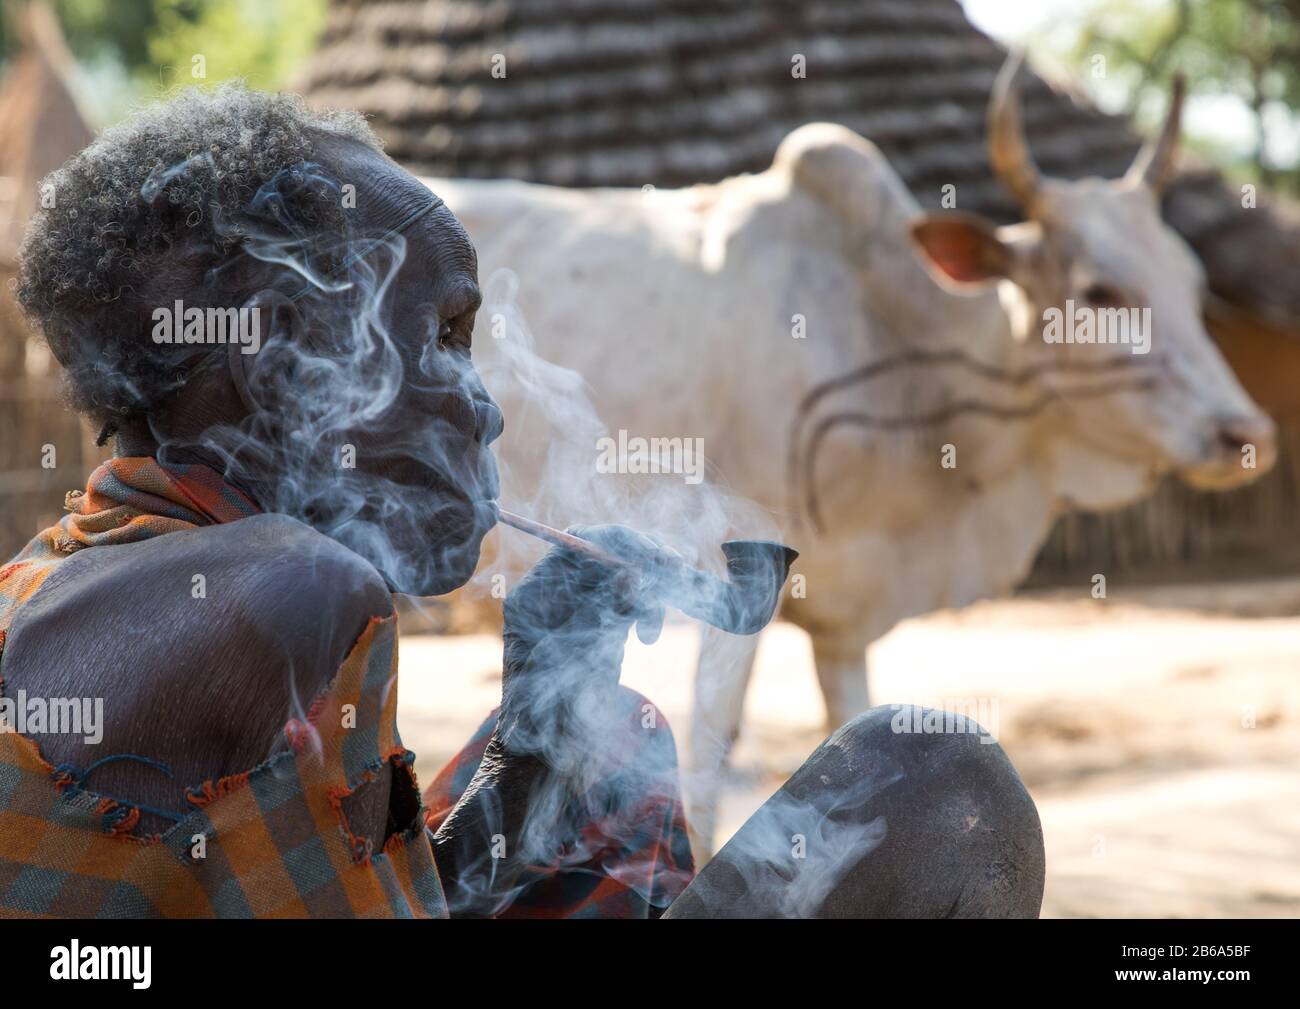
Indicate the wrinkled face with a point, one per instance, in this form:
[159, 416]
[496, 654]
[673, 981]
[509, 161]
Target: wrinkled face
[1101, 257]
[377, 410]
[429, 449]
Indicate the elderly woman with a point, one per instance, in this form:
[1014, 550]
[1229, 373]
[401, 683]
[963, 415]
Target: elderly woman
[273, 321]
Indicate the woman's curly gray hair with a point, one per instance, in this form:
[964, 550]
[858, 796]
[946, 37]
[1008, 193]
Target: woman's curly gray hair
[155, 210]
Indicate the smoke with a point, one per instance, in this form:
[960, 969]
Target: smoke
[551, 453]
[367, 425]
[793, 853]
[364, 433]
[356, 426]
[550, 458]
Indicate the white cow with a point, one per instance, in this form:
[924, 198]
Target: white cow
[755, 314]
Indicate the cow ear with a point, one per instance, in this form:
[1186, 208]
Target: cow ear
[961, 250]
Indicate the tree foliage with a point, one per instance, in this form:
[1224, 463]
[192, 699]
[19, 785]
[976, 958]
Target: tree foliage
[133, 49]
[1249, 49]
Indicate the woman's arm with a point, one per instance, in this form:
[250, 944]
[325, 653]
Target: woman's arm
[565, 626]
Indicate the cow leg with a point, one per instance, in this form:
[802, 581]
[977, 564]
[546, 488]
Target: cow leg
[841, 661]
[726, 663]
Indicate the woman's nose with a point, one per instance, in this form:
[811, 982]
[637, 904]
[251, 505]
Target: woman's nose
[490, 422]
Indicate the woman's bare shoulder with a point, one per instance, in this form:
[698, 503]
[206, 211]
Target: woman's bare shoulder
[200, 643]
[267, 577]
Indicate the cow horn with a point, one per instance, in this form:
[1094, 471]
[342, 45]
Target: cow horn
[1008, 152]
[1154, 161]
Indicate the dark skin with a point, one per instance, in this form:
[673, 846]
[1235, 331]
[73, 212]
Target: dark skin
[294, 600]
[206, 685]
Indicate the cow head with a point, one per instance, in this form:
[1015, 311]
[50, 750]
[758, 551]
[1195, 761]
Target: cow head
[1094, 263]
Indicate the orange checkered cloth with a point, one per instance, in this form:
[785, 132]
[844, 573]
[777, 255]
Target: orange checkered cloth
[274, 841]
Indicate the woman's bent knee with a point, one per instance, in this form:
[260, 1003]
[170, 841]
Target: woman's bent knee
[966, 838]
[882, 821]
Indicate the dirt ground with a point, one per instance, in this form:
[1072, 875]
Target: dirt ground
[1158, 731]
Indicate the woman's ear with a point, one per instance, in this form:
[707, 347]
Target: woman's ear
[265, 317]
[962, 251]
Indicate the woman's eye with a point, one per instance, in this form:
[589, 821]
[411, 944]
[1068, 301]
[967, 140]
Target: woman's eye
[1103, 294]
[455, 333]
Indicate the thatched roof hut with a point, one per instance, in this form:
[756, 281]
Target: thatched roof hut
[41, 126]
[672, 92]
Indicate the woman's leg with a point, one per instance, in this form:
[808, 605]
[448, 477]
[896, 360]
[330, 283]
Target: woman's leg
[884, 821]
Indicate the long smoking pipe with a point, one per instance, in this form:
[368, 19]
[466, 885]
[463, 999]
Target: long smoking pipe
[743, 604]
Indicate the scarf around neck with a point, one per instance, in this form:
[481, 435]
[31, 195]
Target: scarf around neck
[126, 500]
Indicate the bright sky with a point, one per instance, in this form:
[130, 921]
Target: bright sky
[1010, 20]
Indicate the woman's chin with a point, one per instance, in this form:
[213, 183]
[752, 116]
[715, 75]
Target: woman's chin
[447, 569]
[439, 583]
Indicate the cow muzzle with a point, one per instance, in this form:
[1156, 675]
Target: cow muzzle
[1239, 449]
